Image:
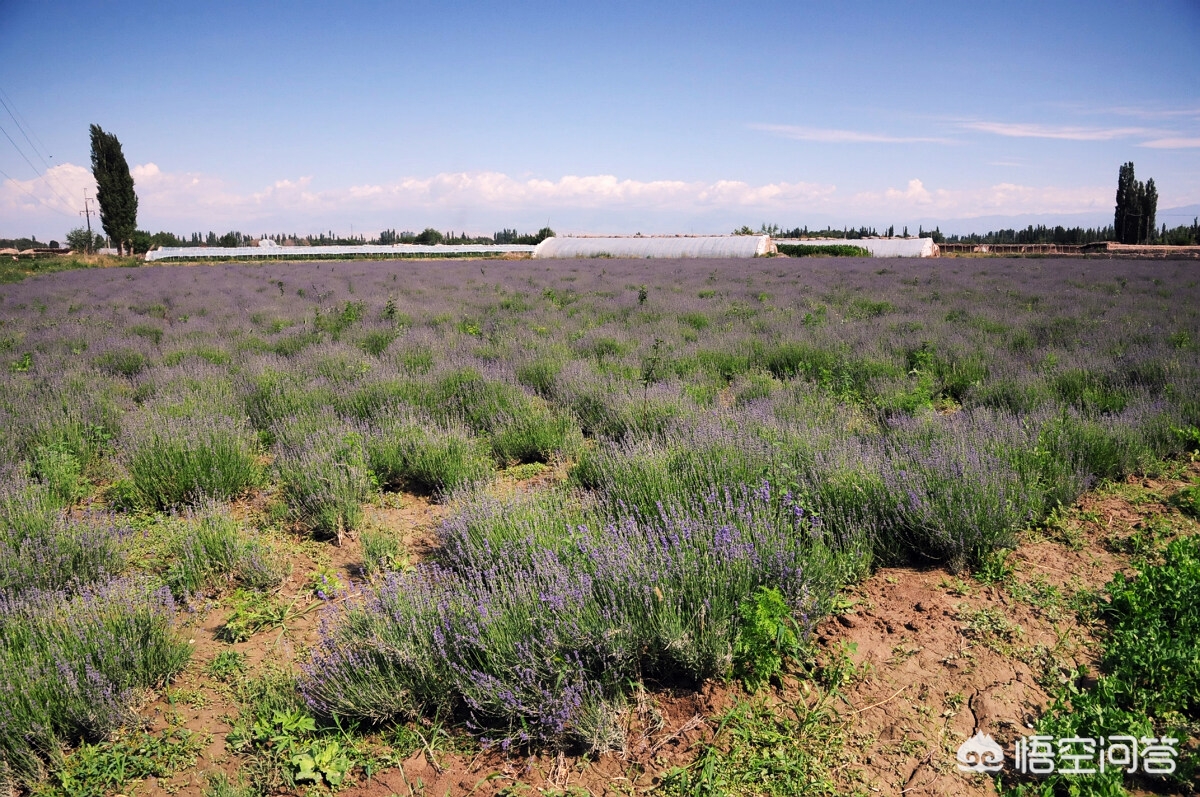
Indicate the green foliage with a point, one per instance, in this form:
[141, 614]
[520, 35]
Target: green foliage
[227, 665]
[170, 466]
[337, 321]
[429, 237]
[822, 250]
[122, 362]
[994, 567]
[219, 785]
[1188, 501]
[381, 551]
[1150, 684]
[60, 470]
[767, 636]
[250, 613]
[97, 770]
[83, 241]
[781, 750]
[284, 744]
[322, 761]
[1137, 203]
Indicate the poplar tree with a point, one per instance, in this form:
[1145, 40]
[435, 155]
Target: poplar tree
[1125, 221]
[1149, 210]
[1137, 205]
[114, 189]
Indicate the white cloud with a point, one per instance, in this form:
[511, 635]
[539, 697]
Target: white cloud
[483, 201]
[833, 136]
[1060, 132]
[1172, 143]
[56, 192]
[1002, 199]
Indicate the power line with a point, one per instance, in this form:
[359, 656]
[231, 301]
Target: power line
[11, 107]
[35, 196]
[66, 201]
[51, 181]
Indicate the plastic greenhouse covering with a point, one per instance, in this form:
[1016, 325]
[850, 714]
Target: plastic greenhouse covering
[878, 247]
[397, 250]
[658, 246]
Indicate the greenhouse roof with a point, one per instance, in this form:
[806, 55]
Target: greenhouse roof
[656, 246]
[396, 250]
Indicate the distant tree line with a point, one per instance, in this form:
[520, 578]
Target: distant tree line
[143, 241]
[26, 243]
[1041, 234]
[850, 233]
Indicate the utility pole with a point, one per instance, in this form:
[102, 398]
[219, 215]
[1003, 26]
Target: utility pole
[87, 213]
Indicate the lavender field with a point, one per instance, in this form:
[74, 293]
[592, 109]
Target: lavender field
[730, 432]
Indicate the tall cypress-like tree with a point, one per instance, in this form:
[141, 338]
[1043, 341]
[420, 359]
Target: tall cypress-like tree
[1149, 210]
[118, 202]
[1125, 221]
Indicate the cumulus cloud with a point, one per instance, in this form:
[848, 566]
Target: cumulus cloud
[56, 192]
[1002, 199]
[481, 201]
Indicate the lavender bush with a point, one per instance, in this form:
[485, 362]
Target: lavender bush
[214, 547]
[324, 474]
[537, 643]
[43, 548]
[408, 448]
[70, 666]
[182, 458]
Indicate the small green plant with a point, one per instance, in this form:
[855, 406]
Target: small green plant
[1188, 501]
[765, 749]
[1189, 436]
[994, 567]
[767, 637]
[381, 551]
[227, 666]
[322, 761]
[219, 785]
[325, 583]
[839, 668]
[59, 469]
[95, 770]
[252, 612]
[527, 470]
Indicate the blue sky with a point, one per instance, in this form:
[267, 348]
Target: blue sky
[613, 117]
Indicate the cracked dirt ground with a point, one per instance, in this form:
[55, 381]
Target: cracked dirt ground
[941, 657]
